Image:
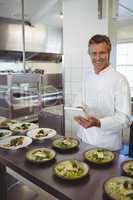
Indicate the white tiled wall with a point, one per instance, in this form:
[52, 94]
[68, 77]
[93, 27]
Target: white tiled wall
[70, 124]
[80, 22]
[68, 74]
[77, 74]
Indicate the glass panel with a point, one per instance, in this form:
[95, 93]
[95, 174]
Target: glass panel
[43, 45]
[43, 33]
[125, 60]
[124, 54]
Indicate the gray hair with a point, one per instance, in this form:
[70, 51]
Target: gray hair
[96, 39]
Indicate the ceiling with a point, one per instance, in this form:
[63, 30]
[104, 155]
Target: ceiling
[125, 9]
[49, 11]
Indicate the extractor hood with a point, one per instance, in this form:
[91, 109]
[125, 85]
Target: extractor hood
[30, 56]
[40, 42]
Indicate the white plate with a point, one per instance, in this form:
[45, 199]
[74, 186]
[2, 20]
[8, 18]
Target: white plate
[18, 127]
[6, 133]
[6, 141]
[7, 122]
[2, 119]
[50, 133]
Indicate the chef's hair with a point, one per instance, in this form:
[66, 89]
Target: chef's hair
[96, 39]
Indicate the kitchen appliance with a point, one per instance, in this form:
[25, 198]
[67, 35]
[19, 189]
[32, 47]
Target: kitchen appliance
[22, 96]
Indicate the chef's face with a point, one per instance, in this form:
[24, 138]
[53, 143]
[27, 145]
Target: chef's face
[99, 56]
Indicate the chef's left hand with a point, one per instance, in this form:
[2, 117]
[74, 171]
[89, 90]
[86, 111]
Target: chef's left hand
[87, 122]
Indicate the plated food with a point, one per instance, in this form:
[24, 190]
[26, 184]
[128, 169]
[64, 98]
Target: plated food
[22, 127]
[65, 143]
[41, 133]
[71, 169]
[2, 119]
[99, 156]
[40, 155]
[119, 188]
[15, 142]
[4, 133]
[127, 167]
[7, 122]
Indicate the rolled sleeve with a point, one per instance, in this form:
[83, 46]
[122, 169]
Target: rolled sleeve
[115, 123]
[122, 109]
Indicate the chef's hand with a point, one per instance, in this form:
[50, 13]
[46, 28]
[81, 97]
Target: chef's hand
[87, 122]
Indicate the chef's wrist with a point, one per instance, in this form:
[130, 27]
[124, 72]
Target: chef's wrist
[92, 121]
[98, 123]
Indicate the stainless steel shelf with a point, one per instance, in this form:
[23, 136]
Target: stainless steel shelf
[22, 83]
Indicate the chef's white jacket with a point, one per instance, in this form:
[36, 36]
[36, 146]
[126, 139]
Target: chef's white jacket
[106, 96]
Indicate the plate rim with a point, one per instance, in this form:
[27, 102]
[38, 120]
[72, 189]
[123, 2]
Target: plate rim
[3, 137]
[2, 117]
[1, 120]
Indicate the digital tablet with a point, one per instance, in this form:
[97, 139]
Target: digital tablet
[77, 111]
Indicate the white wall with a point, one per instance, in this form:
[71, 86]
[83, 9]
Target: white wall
[15, 66]
[80, 22]
[125, 31]
[49, 68]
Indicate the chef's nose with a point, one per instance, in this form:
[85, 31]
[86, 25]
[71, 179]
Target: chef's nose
[97, 56]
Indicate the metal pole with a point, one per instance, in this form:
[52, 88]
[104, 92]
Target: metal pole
[3, 184]
[100, 7]
[23, 34]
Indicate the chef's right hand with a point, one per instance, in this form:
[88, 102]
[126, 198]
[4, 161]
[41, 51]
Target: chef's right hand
[87, 122]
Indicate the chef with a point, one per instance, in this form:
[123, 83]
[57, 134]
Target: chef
[106, 98]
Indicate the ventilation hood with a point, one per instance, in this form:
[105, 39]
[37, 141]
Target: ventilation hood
[30, 56]
[41, 42]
